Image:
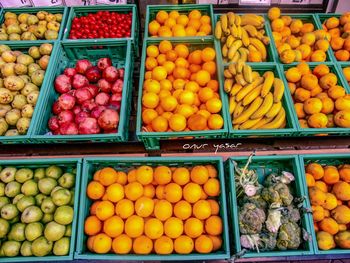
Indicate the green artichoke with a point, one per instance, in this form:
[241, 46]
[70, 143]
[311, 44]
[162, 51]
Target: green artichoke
[289, 236]
[251, 219]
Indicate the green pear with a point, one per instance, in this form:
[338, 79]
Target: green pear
[15, 219]
[53, 171]
[64, 215]
[12, 189]
[9, 211]
[54, 231]
[41, 247]
[32, 20]
[3, 201]
[48, 206]
[30, 188]
[33, 231]
[55, 189]
[61, 197]
[39, 198]
[25, 202]
[2, 189]
[61, 247]
[4, 228]
[11, 248]
[67, 180]
[68, 231]
[23, 174]
[17, 232]
[35, 53]
[26, 249]
[8, 174]
[45, 49]
[31, 214]
[46, 185]
[71, 203]
[47, 218]
[17, 198]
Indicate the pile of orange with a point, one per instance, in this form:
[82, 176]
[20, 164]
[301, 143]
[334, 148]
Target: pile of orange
[346, 72]
[161, 210]
[180, 91]
[174, 24]
[339, 31]
[329, 192]
[296, 40]
[319, 101]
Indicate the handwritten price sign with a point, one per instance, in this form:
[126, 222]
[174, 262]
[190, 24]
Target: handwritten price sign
[47, 2]
[79, 2]
[15, 3]
[215, 147]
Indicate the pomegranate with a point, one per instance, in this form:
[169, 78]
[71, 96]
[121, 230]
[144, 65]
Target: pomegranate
[115, 105]
[62, 84]
[96, 112]
[116, 97]
[65, 116]
[53, 123]
[104, 63]
[88, 105]
[76, 109]
[82, 95]
[79, 81]
[69, 128]
[72, 92]
[121, 72]
[70, 72]
[82, 65]
[111, 74]
[66, 101]
[102, 99]
[93, 74]
[89, 126]
[56, 132]
[56, 109]
[81, 116]
[93, 89]
[109, 119]
[117, 86]
[104, 85]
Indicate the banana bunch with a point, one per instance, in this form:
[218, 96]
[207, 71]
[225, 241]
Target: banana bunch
[255, 101]
[240, 34]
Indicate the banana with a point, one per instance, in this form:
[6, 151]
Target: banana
[231, 18]
[264, 108]
[228, 85]
[239, 32]
[233, 48]
[227, 74]
[262, 122]
[251, 30]
[278, 90]
[245, 37]
[283, 125]
[248, 124]
[259, 35]
[252, 48]
[229, 41]
[223, 39]
[238, 110]
[255, 75]
[239, 66]
[238, 20]
[236, 57]
[223, 20]
[251, 20]
[248, 73]
[234, 31]
[235, 89]
[245, 90]
[224, 51]
[249, 111]
[259, 46]
[232, 69]
[218, 30]
[243, 53]
[277, 121]
[269, 77]
[236, 126]
[265, 40]
[276, 107]
[232, 104]
[240, 79]
[252, 96]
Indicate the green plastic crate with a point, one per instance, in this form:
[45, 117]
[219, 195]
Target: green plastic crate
[205, 9]
[319, 131]
[33, 10]
[94, 163]
[269, 49]
[264, 165]
[151, 139]
[67, 54]
[286, 102]
[78, 11]
[23, 47]
[71, 163]
[323, 159]
[306, 18]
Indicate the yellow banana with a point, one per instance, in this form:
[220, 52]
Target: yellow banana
[248, 124]
[239, 66]
[224, 51]
[252, 96]
[277, 121]
[234, 31]
[283, 125]
[269, 77]
[223, 20]
[240, 79]
[238, 110]
[236, 126]
[251, 30]
[264, 108]
[245, 37]
[243, 53]
[229, 41]
[218, 30]
[232, 104]
[227, 74]
[235, 89]
[276, 107]
[249, 111]
[237, 20]
[233, 48]
[239, 32]
[262, 122]
[255, 75]
[223, 39]
[259, 46]
[252, 48]
[259, 35]
[250, 20]
[278, 90]
[232, 69]
[244, 91]
[236, 57]
[265, 40]
[228, 83]
[231, 18]
[248, 73]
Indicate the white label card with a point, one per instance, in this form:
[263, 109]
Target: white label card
[47, 2]
[111, 2]
[79, 2]
[15, 3]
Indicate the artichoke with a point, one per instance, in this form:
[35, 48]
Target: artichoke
[289, 236]
[290, 213]
[284, 193]
[271, 196]
[251, 219]
[256, 199]
[267, 241]
[250, 241]
[273, 221]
